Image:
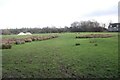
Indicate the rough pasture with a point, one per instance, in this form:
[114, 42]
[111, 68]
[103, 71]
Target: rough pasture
[60, 58]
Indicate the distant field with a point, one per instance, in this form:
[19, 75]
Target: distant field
[61, 58]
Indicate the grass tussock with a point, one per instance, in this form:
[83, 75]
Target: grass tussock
[10, 41]
[94, 36]
[6, 46]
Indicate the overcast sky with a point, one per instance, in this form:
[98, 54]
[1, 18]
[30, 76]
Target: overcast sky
[59, 13]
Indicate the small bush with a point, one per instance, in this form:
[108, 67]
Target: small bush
[54, 36]
[0, 46]
[77, 44]
[12, 42]
[28, 40]
[77, 37]
[92, 41]
[23, 42]
[17, 42]
[94, 36]
[20, 42]
[34, 39]
[6, 46]
[95, 44]
[39, 38]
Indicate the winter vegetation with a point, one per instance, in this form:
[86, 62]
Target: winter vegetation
[59, 39]
[61, 55]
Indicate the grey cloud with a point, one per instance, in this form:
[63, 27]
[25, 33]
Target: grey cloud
[110, 11]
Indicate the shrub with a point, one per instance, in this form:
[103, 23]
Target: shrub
[11, 41]
[28, 40]
[95, 36]
[95, 44]
[44, 38]
[39, 38]
[17, 42]
[78, 37]
[20, 42]
[77, 44]
[6, 46]
[34, 39]
[0, 46]
[92, 41]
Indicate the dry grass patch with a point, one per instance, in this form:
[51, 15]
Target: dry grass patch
[7, 43]
[5, 46]
[94, 36]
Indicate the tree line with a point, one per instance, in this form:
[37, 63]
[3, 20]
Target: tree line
[82, 26]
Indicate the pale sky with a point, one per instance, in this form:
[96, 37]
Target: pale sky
[59, 13]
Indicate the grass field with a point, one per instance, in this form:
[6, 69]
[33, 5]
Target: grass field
[60, 58]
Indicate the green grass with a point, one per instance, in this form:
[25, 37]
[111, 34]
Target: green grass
[60, 58]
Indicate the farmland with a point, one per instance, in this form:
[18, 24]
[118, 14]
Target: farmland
[61, 58]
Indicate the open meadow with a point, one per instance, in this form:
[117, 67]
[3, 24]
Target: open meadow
[63, 57]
